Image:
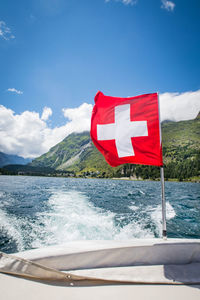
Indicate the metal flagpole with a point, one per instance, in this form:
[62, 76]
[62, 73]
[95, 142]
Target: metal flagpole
[164, 225]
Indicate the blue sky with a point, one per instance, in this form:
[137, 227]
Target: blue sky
[59, 53]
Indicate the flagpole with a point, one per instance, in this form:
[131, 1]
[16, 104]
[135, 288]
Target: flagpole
[162, 179]
[164, 225]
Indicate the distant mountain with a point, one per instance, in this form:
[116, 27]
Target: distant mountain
[75, 153]
[66, 153]
[7, 159]
[181, 151]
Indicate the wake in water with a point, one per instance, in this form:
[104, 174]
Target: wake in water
[70, 216]
[37, 212]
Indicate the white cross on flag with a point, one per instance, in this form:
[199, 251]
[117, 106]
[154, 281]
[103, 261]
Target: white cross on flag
[127, 130]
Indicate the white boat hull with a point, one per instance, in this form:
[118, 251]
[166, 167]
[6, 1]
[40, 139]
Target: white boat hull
[106, 270]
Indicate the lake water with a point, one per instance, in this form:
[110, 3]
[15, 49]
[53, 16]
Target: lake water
[39, 211]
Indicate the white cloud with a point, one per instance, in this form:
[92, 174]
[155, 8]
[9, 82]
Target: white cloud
[168, 5]
[47, 112]
[179, 106]
[81, 112]
[13, 90]
[126, 2]
[27, 134]
[5, 32]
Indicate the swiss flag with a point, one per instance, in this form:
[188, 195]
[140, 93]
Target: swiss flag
[127, 130]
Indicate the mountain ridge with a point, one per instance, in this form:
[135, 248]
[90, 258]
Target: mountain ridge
[7, 159]
[77, 154]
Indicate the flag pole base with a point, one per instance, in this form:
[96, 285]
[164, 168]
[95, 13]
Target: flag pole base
[164, 234]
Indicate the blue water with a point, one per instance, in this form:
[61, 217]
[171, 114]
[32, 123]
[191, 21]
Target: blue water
[39, 211]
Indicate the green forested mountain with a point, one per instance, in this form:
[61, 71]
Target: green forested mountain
[181, 151]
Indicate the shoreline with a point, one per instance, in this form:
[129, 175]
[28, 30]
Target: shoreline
[158, 179]
[192, 180]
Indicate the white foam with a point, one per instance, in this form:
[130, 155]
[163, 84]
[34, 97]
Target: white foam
[156, 215]
[170, 212]
[11, 226]
[1, 194]
[73, 217]
[133, 230]
[133, 207]
[143, 193]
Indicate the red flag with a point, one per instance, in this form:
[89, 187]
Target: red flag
[127, 130]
